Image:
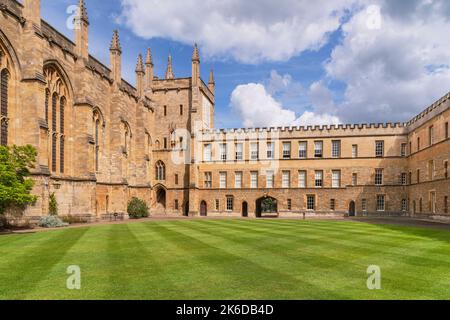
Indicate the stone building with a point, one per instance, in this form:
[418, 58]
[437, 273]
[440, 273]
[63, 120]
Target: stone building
[102, 141]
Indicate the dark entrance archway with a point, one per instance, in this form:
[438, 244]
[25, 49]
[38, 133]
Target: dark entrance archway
[161, 197]
[186, 209]
[352, 209]
[266, 206]
[245, 209]
[203, 209]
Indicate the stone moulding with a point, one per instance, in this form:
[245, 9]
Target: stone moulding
[43, 124]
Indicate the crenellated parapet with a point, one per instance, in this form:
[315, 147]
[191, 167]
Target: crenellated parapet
[319, 130]
[435, 109]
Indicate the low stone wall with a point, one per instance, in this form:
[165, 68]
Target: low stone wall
[436, 217]
[382, 214]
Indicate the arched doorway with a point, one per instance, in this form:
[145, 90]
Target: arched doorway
[266, 206]
[161, 198]
[352, 209]
[245, 209]
[186, 209]
[203, 209]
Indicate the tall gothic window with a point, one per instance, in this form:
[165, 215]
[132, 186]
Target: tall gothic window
[97, 124]
[148, 143]
[54, 110]
[55, 107]
[61, 154]
[160, 171]
[47, 98]
[127, 140]
[54, 130]
[97, 143]
[4, 82]
[62, 106]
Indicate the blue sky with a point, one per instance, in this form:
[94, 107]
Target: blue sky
[310, 72]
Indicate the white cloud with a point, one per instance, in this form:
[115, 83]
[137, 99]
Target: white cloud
[393, 72]
[321, 98]
[257, 108]
[278, 83]
[286, 90]
[249, 31]
[390, 68]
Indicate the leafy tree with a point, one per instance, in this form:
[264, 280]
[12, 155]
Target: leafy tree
[269, 205]
[15, 187]
[53, 205]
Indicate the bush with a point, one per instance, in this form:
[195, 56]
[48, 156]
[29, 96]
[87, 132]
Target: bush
[137, 209]
[52, 205]
[51, 222]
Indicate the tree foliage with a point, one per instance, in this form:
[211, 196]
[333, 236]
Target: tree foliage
[269, 205]
[137, 208]
[52, 205]
[15, 186]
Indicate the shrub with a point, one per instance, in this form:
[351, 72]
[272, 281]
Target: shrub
[137, 209]
[51, 222]
[52, 205]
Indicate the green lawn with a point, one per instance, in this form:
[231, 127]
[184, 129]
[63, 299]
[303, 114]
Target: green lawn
[228, 259]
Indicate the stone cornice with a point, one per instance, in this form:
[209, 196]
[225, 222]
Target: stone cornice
[14, 9]
[86, 102]
[39, 77]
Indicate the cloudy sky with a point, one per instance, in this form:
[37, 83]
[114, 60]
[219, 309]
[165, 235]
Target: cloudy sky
[287, 62]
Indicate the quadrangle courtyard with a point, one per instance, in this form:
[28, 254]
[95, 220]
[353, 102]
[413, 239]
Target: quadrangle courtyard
[228, 259]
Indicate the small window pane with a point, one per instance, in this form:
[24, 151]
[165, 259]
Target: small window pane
[302, 179]
[302, 150]
[286, 179]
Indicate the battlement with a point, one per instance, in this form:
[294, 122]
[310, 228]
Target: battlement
[436, 108]
[341, 129]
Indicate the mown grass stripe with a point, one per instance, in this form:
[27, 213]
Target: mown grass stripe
[378, 255]
[225, 270]
[255, 272]
[19, 276]
[228, 259]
